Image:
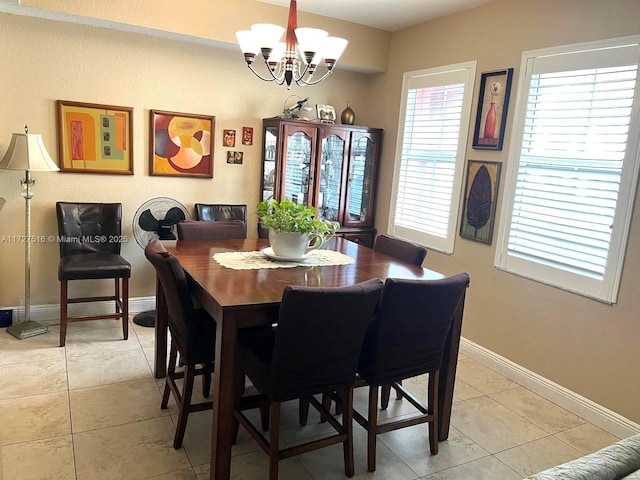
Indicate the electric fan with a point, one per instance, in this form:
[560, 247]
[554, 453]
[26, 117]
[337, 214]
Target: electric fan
[156, 218]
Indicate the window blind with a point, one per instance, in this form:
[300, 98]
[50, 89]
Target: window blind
[572, 154]
[434, 126]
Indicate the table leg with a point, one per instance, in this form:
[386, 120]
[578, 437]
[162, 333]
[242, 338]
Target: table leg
[448, 373]
[162, 324]
[223, 393]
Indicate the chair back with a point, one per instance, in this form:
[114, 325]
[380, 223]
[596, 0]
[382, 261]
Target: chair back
[407, 336]
[319, 337]
[216, 212]
[177, 294]
[89, 227]
[196, 230]
[404, 250]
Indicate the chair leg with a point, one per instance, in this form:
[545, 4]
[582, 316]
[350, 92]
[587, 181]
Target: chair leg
[433, 410]
[63, 311]
[384, 396]
[274, 441]
[125, 307]
[171, 370]
[372, 428]
[185, 405]
[206, 380]
[264, 417]
[347, 425]
[303, 411]
[238, 391]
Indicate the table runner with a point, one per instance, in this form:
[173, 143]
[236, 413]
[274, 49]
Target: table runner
[256, 260]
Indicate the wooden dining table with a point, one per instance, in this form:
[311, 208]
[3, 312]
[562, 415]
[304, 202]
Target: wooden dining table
[239, 299]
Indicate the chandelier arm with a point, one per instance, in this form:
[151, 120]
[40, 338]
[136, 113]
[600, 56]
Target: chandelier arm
[302, 82]
[266, 79]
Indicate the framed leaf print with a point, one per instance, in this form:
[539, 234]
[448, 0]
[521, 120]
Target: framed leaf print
[480, 199]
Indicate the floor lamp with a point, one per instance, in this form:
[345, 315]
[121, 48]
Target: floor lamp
[28, 153]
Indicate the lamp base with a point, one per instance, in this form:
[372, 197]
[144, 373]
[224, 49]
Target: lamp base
[145, 319]
[26, 329]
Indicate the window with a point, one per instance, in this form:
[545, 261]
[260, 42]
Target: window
[432, 139]
[572, 176]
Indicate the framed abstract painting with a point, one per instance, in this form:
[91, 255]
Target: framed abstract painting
[181, 144]
[95, 138]
[480, 199]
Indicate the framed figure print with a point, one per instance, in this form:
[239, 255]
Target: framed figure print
[229, 138]
[247, 135]
[181, 144]
[480, 200]
[493, 103]
[95, 138]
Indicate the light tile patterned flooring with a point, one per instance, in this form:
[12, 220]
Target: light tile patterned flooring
[91, 411]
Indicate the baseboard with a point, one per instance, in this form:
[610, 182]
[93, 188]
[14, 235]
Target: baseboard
[50, 313]
[583, 407]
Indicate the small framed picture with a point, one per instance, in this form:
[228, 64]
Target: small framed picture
[493, 102]
[247, 135]
[326, 113]
[229, 138]
[235, 157]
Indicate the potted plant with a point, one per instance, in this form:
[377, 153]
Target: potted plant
[294, 229]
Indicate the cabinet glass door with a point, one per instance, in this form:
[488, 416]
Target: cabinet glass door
[330, 181]
[361, 173]
[269, 164]
[297, 166]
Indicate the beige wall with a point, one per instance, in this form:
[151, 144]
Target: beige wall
[586, 346]
[44, 61]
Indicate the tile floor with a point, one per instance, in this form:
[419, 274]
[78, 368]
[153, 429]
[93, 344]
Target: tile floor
[91, 411]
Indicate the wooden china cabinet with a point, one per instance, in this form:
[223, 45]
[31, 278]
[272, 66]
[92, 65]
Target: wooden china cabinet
[330, 167]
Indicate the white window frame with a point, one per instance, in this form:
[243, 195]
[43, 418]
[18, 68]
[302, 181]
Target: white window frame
[605, 289]
[466, 71]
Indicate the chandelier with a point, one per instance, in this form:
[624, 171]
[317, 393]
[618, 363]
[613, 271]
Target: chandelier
[294, 60]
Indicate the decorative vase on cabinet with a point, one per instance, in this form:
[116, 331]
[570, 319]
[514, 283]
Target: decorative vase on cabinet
[348, 117]
[330, 167]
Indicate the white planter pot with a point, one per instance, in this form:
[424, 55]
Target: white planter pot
[289, 244]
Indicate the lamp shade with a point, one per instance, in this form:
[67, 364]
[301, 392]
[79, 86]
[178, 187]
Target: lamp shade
[27, 153]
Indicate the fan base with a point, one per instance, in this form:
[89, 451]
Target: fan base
[145, 319]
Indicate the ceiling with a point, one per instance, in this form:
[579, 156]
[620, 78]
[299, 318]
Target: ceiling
[390, 15]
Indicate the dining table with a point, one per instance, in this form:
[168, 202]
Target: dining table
[246, 297]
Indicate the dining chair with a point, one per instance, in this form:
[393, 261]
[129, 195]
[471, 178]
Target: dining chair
[196, 230]
[193, 336]
[406, 339]
[401, 249]
[314, 350]
[216, 212]
[90, 241]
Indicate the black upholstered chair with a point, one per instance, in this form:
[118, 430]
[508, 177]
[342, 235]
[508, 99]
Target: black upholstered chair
[407, 339]
[219, 230]
[216, 212]
[90, 240]
[192, 335]
[314, 350]
[404, 250]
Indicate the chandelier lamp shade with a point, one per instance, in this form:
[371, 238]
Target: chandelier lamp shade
[295, 59]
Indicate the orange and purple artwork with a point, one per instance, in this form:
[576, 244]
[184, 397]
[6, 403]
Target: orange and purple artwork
[181, 144]
[94, 138]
